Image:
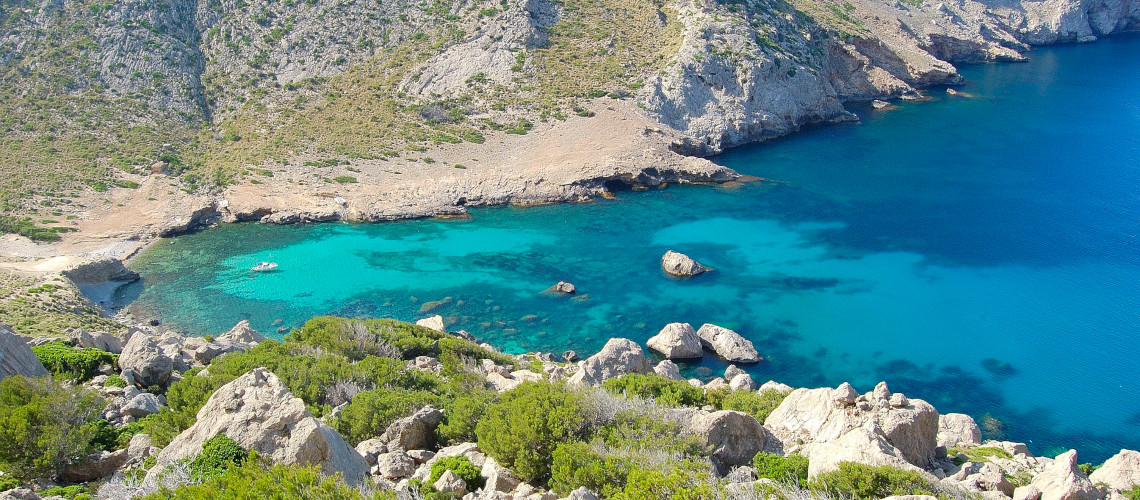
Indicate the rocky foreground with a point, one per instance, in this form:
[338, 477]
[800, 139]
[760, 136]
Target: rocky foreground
[829, 427]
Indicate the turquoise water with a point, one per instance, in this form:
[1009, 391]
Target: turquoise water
[978, 252]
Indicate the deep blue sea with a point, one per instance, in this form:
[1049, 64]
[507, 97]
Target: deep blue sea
[978, 251]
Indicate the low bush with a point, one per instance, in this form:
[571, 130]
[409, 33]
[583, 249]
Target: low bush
[866, 482]
[114, 381]
[110, 438]
[460, 466]
[665, 391]
[462, 416]
[8, 482]
[792, 468]
[371, 412]
[757, 404]
[256, 479]
[218, 455]
[1132, 494]
[980, 453]
[45, 426]
[79, 365]
[74, 492]
[689, 480]
[524, 427]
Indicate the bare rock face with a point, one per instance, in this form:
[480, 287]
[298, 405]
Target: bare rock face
[99, 340]
[955, 429]
[144, 356]
[1063, 480]
[772, 385]
[449, 482]
[16, 358]
[728, 344]
[416, 432]
[735, 437]
[258, 412]
[669, 370]
[677, 341]
[1122, 471]
[97, 466]
[679, 264]
[497, 477]
[395, 465]
[830, 416]
[864, 445]
[742, 382]
[618, 357]
[434, 323]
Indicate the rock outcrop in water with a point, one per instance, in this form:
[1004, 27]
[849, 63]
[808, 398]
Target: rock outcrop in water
[727, 344]
[677, 341]
[679, 264]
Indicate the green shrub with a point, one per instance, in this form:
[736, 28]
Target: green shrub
[576, 464]
[44, 426]
[689, 481]
[664, 391]
[115, 381]
[110, 438]
[371, 412]
[757, 404]
[1132, 494]
[80, 365]
[980, 453]
[75, 492]
[793, 468]
[219, 453]
[522, 430]
[183, 399]
[255, 479]
[862, 482]
[8, 482]
[461, 466]
[461, 417]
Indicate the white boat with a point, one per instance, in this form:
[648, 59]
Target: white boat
[264, 266]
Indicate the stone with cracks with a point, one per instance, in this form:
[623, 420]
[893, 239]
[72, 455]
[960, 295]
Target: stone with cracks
[669, 370]
[416, 432]
[16, 358]
[728, 344]
[1122, 471]
[618, 357]
[734, 437]
[449, 482]
[677, 341]
[1063, 480]
[679, 264]
[434, 323]
[957, 429]
[146, 359]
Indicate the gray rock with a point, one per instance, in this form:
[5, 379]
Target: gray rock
[677, 341]
[1122, 471]
[19, 494]
[563, 287]
[732, 371]
[957, 429]
[679, 264]
[97, 466]
[99, 340]
[448, 482]
[147, 362]
[415, 432]
[618, 357]
[772, 385]
[434, 322]
[1028, 492]
[370, 449]
[497, 477]
[141, 405]
[742, 382]
[1063, 480]
[727, 344]
[502, 383]
[16, 358]
[421, 456]
[582, 494]
[734, 437]
[139, 448]
[570, 356]
[395, 465]
[259, 413]
[669, 370]
[844, 395]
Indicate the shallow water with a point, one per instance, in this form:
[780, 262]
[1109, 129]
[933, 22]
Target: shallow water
[980, 253]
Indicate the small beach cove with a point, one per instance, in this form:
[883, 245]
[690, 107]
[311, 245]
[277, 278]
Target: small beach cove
[978, 252]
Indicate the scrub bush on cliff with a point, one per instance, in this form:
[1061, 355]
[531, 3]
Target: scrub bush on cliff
[522, 430]
[662, 390]
[866, 482]
[44, 426]
[79, 365]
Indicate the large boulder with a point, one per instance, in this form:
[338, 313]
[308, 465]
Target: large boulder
[1122, 471]
[618, 357]
[677, 341]
[434, 322]
[669, 370]
[679, 264]
[416, 432]
[451, 483]
[825, 415]
[97, 466]
[862, 445]
[727, 344]
[957, 429]
[734, 437]
[99, 340]
[146, 359]
[141, 405]
[497, 477]
[16, 358]
[240, 338]
[1063, 480]
[259, 413]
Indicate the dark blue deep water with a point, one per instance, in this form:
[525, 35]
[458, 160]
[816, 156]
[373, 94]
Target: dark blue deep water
[979, 251]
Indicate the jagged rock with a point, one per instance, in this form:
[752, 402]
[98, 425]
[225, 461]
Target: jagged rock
[732, 371]
[727, 344]
[497, 477]
[259, 413]
[957, 429]
[240, 338]
[669, 370]
[146, 360]
[434, 323]
[502, 383]
[742, 382]
[570, 356]
[825, 415]
[139, 448]
[860, 445]
[16, 358]
[1063, 480]
[898, 400]
[19, 494]
[448, 482]
[563, 287]
[465, 335]
[395, 465]
[582, 494]
[1122, 471]
[421, 456]
[97, 466]
[242, 335]
[677, 341]
[772, 385]
[1009, 446]
[141, 405]
[1028, 492]
[679, 264]
[99, 340]
[427, 363]
[618, 357]
[370, 449]
[716, 384]
[734, 437]
[987, 477]
[173, 345]
[415, 432]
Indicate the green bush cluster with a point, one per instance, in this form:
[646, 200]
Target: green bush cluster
[8, 482]
[257, 479]
[44, 426]
[866, 482]
[79, 365]
[523, 428]
[757, 404]
[373, 411]
[114, 381]
[1132, 494]
[73, 492]
[665, 391]
[110, 438]
[461, 466]
[218, 455]
[792, 468]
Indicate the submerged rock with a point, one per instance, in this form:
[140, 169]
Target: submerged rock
[679, 264]
[562, 287]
